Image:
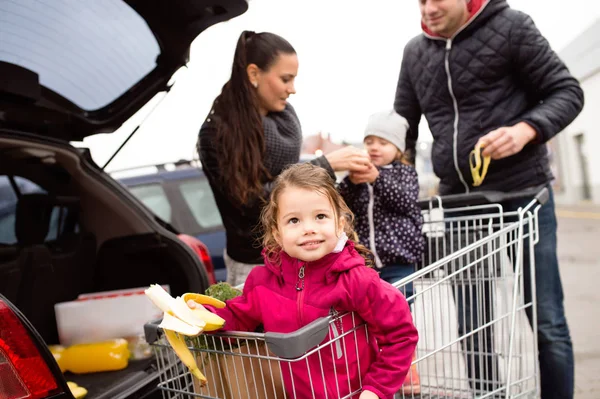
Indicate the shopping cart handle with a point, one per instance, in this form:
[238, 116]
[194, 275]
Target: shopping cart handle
[483, 198]
[297, 343]
[543, 196]
[151, 331]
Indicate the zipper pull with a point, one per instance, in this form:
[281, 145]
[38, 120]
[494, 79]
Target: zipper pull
[337, 330]
[448, 44]
[300, 283]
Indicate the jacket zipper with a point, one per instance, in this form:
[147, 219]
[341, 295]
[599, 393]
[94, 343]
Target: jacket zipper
[300, 289]
[456, 116]
[454, 102]
[337, 323]
[372, 226]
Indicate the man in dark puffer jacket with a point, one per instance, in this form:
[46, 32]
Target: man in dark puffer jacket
[482, 72]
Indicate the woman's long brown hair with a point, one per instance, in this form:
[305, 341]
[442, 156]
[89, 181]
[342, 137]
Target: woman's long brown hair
[310, 177]
[240, 134]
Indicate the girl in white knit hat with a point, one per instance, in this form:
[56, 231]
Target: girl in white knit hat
[384, 202]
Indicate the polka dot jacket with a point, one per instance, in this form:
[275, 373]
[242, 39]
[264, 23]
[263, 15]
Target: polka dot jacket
[388, 220]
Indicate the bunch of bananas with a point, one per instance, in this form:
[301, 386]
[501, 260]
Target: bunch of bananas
[181, 320]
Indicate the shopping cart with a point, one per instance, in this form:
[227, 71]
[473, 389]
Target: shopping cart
[473, 294]
[469, 302]
[244, 365]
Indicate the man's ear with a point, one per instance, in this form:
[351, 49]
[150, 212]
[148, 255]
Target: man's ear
[253, 72]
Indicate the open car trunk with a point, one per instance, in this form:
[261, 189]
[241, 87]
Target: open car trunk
[66, 228]
[72, 69]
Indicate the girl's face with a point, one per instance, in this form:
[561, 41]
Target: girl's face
[276, 84]
[307, 226]
[381, 151]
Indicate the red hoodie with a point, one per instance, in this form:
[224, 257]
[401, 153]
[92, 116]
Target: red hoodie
[474, 6]
[339, 281]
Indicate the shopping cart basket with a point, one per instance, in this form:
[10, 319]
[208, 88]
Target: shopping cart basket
[244, 365]
[472, 296]
[470, 305]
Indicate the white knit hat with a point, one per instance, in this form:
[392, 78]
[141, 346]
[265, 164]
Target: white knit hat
[389, 126]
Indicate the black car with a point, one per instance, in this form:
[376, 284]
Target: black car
[69, 70]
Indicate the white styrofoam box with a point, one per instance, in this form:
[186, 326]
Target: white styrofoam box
[104, 315]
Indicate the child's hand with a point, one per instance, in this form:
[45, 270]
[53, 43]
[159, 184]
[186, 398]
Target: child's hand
[364, 177]
[193, 304]
[368, 395]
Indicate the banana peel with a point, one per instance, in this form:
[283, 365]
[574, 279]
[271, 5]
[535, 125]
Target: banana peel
[191, 322]
[479, 168]
[173, 323]
[213, 322]
[178, 344]
[175, 307]
[203, 300]
[181, 320]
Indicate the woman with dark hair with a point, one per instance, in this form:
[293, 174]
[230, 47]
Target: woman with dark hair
[250, 135]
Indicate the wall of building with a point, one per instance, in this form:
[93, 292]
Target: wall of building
[576, 166]
[578, 174]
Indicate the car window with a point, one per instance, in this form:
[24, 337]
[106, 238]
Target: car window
[8, 206]
[73, 49]
[155, 198]
[7, 229]
[200, 200]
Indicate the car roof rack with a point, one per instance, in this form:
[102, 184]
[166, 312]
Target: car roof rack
[156, 168]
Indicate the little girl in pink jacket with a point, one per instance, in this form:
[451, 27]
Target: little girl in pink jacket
[313, 270]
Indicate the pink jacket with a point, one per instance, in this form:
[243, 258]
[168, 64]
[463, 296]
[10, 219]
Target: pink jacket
[277, 297]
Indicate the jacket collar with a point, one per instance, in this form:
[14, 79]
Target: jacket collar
[475, 7]
[327, 268]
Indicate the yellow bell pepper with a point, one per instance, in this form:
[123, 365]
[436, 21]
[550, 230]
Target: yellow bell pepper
[91, 358]
[57, 351]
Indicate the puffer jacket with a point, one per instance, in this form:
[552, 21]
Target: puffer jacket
[283, 299]
[387, 218]
[498, 70]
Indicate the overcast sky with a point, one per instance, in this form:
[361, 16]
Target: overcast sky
[349, 53]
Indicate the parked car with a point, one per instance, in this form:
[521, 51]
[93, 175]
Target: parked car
[180, 194]
[71, 70]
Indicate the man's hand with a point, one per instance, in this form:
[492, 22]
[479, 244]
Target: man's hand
[507, 141]
[368, 395]
[364, 177]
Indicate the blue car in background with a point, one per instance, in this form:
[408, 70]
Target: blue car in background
[180, 194]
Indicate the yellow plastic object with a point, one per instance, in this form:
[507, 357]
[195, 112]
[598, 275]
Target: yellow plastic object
[478, 168]
[92, 358]
[77, 391]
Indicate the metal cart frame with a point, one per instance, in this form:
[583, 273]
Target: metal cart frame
[469, 301]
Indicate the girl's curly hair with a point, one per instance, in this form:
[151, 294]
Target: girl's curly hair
[310, 177]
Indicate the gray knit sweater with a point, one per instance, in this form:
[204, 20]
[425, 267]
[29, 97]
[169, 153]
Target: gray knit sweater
[283, 142]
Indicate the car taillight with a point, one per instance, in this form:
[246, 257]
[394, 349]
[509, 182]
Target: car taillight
[203, 253]
[23, 371]
[207, 260]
